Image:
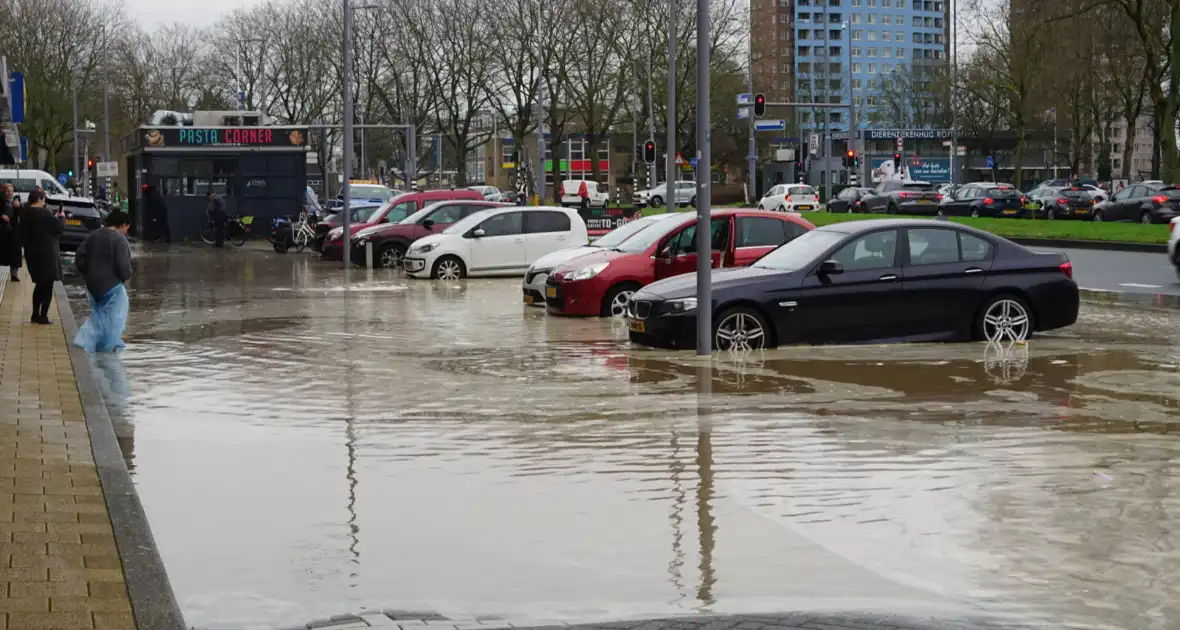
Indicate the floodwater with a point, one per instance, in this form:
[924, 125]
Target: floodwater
[303, 451]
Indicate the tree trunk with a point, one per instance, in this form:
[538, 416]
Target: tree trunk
[591, 153]
[1020, 141]
[1156, 141]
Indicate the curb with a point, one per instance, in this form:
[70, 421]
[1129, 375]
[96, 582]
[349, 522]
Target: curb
[1120, 298]
[153, 604]
[1112, 246]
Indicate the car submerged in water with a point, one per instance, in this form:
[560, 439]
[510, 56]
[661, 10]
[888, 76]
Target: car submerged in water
[869, 281]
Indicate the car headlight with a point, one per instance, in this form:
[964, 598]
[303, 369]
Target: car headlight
[335, 234]
[680, 306]
[423, 249]
[585, 273]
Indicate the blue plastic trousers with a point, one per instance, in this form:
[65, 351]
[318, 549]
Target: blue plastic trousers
[103, 330]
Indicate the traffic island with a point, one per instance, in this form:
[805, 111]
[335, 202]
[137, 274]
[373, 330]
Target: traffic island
[74, 541]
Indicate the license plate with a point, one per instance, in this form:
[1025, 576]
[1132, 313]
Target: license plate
[803, 208]
[1009, 212]
[636, 325]
[528, 299]
[1080, 211]
[925, 201]
[73, 222]
[551, 292]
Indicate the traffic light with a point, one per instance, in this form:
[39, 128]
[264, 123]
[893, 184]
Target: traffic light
[649, 152]
[849, 158]
[89, 165]
[759, 105]
[70, 173]
[896, 161]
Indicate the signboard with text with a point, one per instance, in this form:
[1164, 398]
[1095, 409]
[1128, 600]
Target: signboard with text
[602, 220]
[228, 137]
[934, 170]
[908, 134]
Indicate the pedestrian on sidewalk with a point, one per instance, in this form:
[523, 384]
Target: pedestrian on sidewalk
[157, 209]
[40, 231]
[216, 212]
[10, 248]
[104, 260]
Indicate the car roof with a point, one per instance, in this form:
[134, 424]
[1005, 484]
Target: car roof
[868, 225]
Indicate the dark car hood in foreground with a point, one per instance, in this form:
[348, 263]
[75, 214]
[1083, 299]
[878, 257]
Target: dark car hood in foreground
[685, 285]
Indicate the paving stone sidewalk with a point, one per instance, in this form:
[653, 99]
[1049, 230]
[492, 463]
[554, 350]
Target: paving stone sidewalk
[61, 566]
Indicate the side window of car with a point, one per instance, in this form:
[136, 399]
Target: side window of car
[505, 224]
[933, 246]
[974, 248]
[965, 193]
[760, 232]
[447, 214]
[877, 250]
[401, 211]
[539, 222]
[1123, 194]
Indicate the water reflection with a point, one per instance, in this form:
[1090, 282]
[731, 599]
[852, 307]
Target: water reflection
[501, 461]
[112, 383]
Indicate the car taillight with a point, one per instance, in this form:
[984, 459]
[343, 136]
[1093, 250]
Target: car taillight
[1023, 200]
[1171, 227]
[938, 197]
[1159, 199]
[904, 195]
[987, 201]
[1062, 201]
[1067, 269]
[788, 197]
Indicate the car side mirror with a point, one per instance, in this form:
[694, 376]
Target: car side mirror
[830, 268]
[428, 224]
[478, 232]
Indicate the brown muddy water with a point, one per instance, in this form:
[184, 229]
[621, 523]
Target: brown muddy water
[303, 450]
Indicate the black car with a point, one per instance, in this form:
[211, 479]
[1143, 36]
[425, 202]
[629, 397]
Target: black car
[984, 199]
[848, 200]
[1143, 203]
[863, 281]
[1061, 203]
[82, 217]
[902, 197]
[335, 219]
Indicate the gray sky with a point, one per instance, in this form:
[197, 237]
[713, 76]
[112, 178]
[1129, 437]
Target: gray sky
[196, 12]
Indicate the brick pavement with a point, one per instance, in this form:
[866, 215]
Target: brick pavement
[61, 566]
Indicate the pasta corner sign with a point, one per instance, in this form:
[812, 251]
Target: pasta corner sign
[194, 137]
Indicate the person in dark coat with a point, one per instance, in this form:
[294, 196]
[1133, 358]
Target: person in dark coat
[41, 229]
[10, 248]
[157, 209]
[216, 213]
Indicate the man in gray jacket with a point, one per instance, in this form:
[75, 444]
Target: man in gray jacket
[104, 258]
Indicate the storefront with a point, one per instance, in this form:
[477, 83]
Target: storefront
[260, 172]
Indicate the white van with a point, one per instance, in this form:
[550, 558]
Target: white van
[26, 179]
[570, 188]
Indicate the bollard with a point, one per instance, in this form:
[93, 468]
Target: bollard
[369, 255]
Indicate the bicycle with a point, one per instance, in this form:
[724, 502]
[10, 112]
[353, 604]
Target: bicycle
[302, 231]
[237, 230]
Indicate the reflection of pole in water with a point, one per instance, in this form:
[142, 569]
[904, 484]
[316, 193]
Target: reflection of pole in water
[676, 517]
[350, 441]
[705, 525]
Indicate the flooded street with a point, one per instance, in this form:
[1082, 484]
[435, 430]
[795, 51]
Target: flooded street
[303, 451]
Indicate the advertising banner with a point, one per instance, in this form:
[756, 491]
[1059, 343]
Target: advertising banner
[603, 220]
[934, 170]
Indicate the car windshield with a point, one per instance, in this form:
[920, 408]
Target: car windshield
[369, 192]
[800, 190]
[1003, 192]
[470, 220]
[361, 214]
[417, 216]
[1074, 194]
[916, 186]
[800, 252]
[646, 238]
[615, 237]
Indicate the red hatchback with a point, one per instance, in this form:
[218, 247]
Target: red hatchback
[599, 284]
[394, 210]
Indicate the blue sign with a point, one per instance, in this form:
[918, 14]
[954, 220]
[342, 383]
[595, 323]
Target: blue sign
[770, 125]
[62, 179]
[693, 162]
[991, 163]
[16, 85]
[933, 170]
[744, 98]
[24, 149]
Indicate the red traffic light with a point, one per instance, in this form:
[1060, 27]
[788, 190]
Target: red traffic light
[649, 152]
[759, 105]
[89, 163]
[851, 153]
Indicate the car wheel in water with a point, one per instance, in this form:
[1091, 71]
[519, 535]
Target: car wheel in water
[281, 248]
[1098, 215]
[1145, 218]
[741, 329]
[1004, 318]
[390, 256]
[975, 212]
[449, 268]
[614, 304]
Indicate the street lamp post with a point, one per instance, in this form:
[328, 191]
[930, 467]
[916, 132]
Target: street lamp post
[704, 188]
[346, 158]
[670, 182]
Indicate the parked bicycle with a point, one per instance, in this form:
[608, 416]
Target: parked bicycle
[295, 231]
[237, 230]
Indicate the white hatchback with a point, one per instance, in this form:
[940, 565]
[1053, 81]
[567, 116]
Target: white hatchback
[495, 242]
[1174, 244]
[790, 198]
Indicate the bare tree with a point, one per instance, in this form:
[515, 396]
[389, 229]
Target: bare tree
[301, 83]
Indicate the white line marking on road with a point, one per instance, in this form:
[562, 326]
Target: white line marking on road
[1136, 285]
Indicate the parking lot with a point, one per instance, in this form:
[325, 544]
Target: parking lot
[304, 450]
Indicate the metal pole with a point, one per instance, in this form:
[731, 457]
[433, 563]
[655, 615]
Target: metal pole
[74, 92]
[954, 81]
[704, 187]
[411, 157]
[852, 126]
[670, 183]
[752, 148]
[539, 108]
[651, 126]
[346, 158]
[826, 180]
[106, 114]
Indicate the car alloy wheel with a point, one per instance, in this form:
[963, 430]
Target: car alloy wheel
[1098, 215]
[1006, 319]
[1145, 218]
[1050, 215]
[740, 330]
[975, 213]
[619, 299]
[391, 257]
[656, 202]
[448, 268]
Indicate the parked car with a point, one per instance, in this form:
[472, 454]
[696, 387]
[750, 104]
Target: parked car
[1174, 244]
[842, 283]
[790, 198]
[902, 197]
[538, 273]
[848, 200]
[393, 211]
[495, 242]
[368, 192]
[335, 218]
[982, 199]
[391, 241]
[82, 216]
[686, 195]
[1061, 203]
[25, 180]
[569, 193]
[1142, 203]
[490, 193]
[600, 284]
[1096, 193]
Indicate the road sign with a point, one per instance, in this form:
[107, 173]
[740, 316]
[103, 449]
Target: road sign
[784, 155]
[745, 99]
[62, 179]
[679, 160]
[693, 162]
[813, 144]
[743, 113]
[991, 163]
[916, 161]
[961, 151]
[770, 125]
[107, 169]
[900, 143]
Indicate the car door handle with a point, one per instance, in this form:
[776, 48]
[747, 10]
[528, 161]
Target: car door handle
[973, 270]
[520, 240]
[887, 278]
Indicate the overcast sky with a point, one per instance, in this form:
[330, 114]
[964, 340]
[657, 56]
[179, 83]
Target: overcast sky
[196, 12]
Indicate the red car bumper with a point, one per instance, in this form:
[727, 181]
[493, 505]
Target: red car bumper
[333, 250]
[582, 298]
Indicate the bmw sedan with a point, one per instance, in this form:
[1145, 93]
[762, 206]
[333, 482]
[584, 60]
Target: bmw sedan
[869, 281]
